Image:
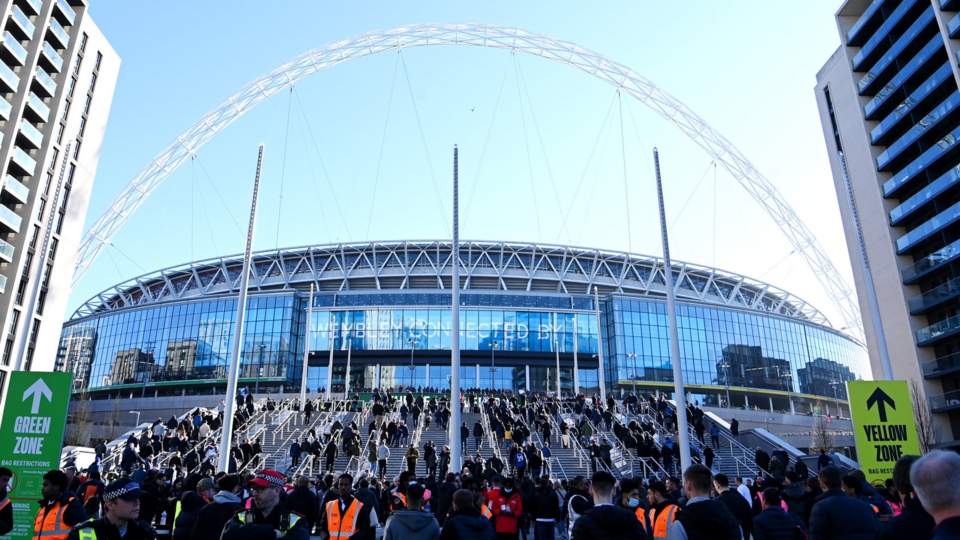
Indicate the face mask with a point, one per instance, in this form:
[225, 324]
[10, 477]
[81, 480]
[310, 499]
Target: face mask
[633, 502]
[507, 490]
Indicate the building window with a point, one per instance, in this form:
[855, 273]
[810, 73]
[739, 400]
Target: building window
[99, 60]
[83, 42]
[60, 131]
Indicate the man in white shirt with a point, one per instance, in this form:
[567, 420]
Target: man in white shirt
[744, 491]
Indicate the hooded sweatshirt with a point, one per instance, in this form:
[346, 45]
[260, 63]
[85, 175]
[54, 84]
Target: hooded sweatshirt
[467, 524]
[411, 525]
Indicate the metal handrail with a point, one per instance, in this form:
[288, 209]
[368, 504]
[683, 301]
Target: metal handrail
[491, 436]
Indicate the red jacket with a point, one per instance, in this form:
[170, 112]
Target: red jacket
[506, 508]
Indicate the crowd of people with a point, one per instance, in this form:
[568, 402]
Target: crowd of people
[511, 499]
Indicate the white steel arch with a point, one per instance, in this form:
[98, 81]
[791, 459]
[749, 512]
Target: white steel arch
[479, 35]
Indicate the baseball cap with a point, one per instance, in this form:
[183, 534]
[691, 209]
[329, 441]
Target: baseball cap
[123, 488]
[268, 478]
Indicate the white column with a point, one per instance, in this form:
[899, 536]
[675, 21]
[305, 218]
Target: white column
[576, 365]
[428, 375]
[771, 402]
[478, 375]
[306, 351]
[346, 381]
[793, 409]
[526, 370]
[602, 376]
[330, 361]
[377, 378]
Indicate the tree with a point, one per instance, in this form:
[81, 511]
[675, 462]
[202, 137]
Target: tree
[822, 436]
[80, 424]
[923, 418]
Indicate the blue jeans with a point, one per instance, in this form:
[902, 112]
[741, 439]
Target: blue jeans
[544, 530]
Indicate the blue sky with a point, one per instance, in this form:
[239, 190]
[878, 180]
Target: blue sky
[747, 67]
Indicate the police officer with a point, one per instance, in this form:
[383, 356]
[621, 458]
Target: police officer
[268, 519]
[121, 512]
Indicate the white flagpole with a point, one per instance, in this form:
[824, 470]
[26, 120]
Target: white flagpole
[233, 372]
[683, 437]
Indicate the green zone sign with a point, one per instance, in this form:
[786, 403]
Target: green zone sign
[31, 438]
[883, 426]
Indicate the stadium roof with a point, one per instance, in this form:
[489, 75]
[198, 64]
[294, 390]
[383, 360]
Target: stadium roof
[425, 265]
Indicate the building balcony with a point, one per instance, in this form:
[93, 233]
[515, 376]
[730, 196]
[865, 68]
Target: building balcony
[3, 284]
[931, 262]
[22, 22]
[881, 36]
[935, 296]
[23, 161]
[64, 12]
[34, 6]
[905, 44]
[37, 108]
[30, 134]
[882, 131]
[944, 365]
[6, 251]
[946, 144]
[45, 82]
[59, 33]
[9, 80]
[893, 154]
[14, 49]
[858, 32]
[950, 401]
[10, 219]
[879, 103]
[938, 331]
[5, 109]
[52, 57]
[928, 228]
[16, 188]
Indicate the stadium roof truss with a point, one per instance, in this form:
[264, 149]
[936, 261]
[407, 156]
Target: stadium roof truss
[629, 82]
[425, 265]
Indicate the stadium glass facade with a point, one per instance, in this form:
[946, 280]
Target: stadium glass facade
[510, 339]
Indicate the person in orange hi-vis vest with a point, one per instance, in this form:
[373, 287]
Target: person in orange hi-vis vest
[59, 511]
[347, 517]
[661, 514]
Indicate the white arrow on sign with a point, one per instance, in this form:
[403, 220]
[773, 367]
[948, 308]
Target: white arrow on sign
[37, 390]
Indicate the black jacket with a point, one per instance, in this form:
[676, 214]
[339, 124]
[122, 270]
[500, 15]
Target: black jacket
[775, 524]
[212, 517]
[708, 519]
[253, 525]
[303, 501]
[442, 500]
[608, 522]
[6, 514]
[914, 523]
[544, 504]
[836, 516]
[136, 530]
[740, 509]
[467, 525]
[798, 501]
[190, 505]
[948, 529]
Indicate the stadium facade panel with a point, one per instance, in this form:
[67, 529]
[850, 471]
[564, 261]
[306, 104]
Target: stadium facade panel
[384, 310]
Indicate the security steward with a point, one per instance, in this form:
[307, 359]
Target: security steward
[661, 514]
[121, 516]
[59, 510]
[268, 518]
[347, 517]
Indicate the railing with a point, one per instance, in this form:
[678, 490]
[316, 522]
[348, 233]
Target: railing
[946, 400]
[491, 436]
[944, 363]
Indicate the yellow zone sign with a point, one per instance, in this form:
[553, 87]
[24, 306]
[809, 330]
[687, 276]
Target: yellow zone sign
[883, 425]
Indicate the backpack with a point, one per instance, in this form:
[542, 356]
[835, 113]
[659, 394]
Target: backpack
[520, 460]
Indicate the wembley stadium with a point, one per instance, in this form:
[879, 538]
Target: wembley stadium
[380, 316]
